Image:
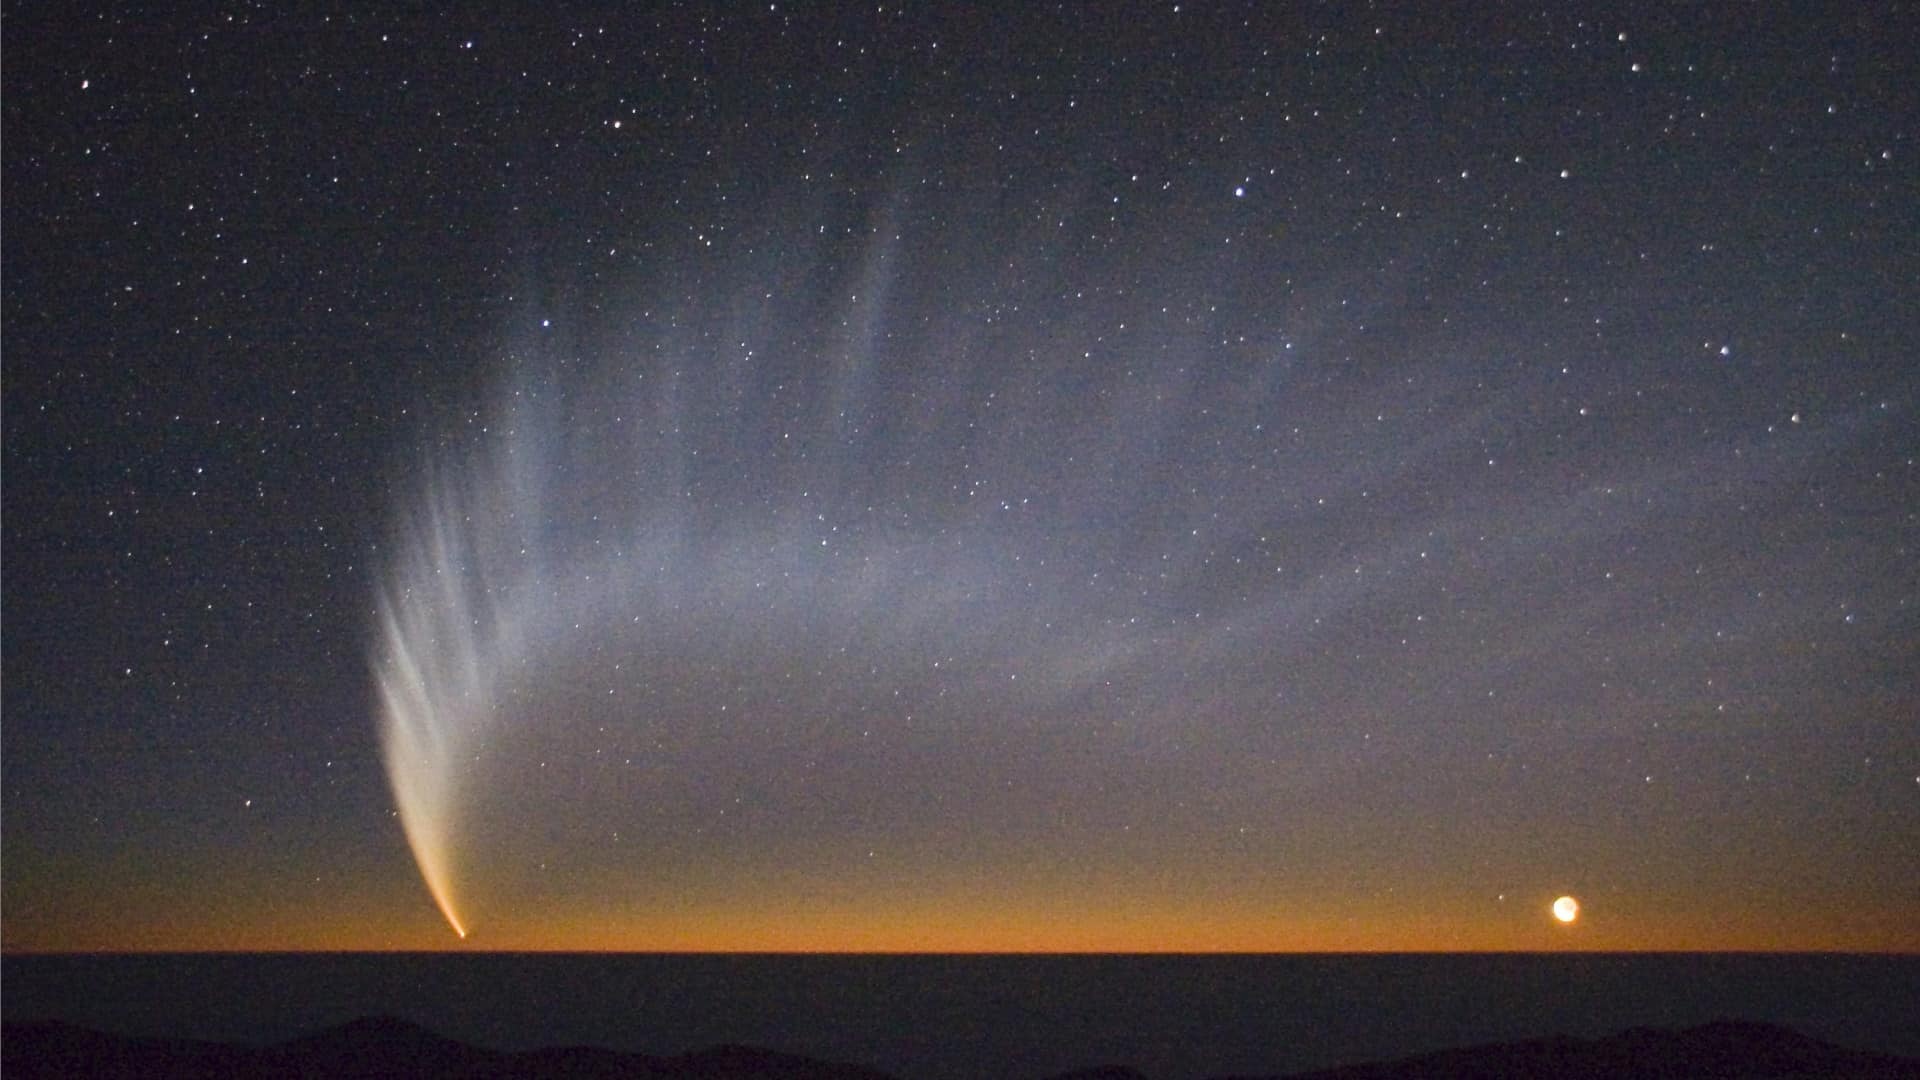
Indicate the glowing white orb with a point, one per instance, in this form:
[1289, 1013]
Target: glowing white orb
[1566, 909]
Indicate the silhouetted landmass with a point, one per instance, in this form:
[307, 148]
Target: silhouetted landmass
[386, 1047]
[378, 1047]
[1726, 1049]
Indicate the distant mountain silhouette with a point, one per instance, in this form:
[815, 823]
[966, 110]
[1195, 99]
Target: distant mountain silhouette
[1719, 1051]
[56, 1049]
[387, 1047]
[378, 1047]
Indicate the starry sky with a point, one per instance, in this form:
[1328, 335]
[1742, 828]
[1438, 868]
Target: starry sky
[951, 477]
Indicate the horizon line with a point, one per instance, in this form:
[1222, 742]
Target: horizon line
[963, 953]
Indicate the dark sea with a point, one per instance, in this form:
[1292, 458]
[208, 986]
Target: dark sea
[954, 1017]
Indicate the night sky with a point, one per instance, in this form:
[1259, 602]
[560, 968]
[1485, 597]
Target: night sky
[1160, 477]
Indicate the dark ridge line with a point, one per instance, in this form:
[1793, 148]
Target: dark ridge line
[384, 1046]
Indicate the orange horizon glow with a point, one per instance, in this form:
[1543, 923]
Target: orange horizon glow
[965, 911]
[643, 951]
[982, 933]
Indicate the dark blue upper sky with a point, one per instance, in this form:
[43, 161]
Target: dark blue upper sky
[1202, 476]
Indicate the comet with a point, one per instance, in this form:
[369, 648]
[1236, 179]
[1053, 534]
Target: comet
[482, 573]
[424, 730]
[674, 552]
[441, 639]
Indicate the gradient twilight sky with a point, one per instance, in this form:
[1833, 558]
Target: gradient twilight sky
[1160, 477]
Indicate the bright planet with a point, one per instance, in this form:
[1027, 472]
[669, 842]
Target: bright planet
[1566, 909]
